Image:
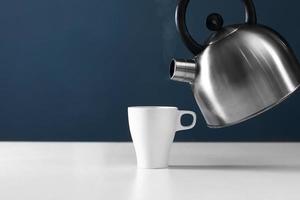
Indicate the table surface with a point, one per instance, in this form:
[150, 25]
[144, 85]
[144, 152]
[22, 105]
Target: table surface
[96, 171]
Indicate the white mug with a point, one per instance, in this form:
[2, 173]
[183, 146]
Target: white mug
[153, 130]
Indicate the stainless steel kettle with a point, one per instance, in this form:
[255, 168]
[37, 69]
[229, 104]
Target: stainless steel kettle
[241, 71]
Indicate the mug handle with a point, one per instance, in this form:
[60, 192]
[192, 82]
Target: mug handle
[180, 127]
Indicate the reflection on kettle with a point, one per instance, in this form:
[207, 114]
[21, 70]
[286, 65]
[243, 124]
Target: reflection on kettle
[241, 71]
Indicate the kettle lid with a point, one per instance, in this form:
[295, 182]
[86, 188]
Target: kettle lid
[214, 22]
[222, 34]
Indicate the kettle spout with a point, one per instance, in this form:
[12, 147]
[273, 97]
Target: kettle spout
[183, 70]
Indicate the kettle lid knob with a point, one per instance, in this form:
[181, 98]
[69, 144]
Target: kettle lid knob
[214, 22]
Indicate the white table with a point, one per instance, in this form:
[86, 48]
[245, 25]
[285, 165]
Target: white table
[105, 171]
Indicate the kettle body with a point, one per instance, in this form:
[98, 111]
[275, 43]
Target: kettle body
[241, 71]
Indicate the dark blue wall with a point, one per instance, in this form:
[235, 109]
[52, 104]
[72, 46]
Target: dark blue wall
[70, 68]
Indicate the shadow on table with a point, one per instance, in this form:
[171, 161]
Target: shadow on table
[291, 168]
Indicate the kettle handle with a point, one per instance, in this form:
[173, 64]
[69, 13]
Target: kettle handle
[191, 44]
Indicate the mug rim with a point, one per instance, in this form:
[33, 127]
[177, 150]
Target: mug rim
[152, 107]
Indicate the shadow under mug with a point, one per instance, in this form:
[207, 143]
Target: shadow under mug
[153, 130]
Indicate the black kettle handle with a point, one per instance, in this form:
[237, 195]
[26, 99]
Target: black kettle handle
[190, 43]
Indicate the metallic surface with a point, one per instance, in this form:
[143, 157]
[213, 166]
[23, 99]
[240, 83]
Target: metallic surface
[183, 70]
[244, 74]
